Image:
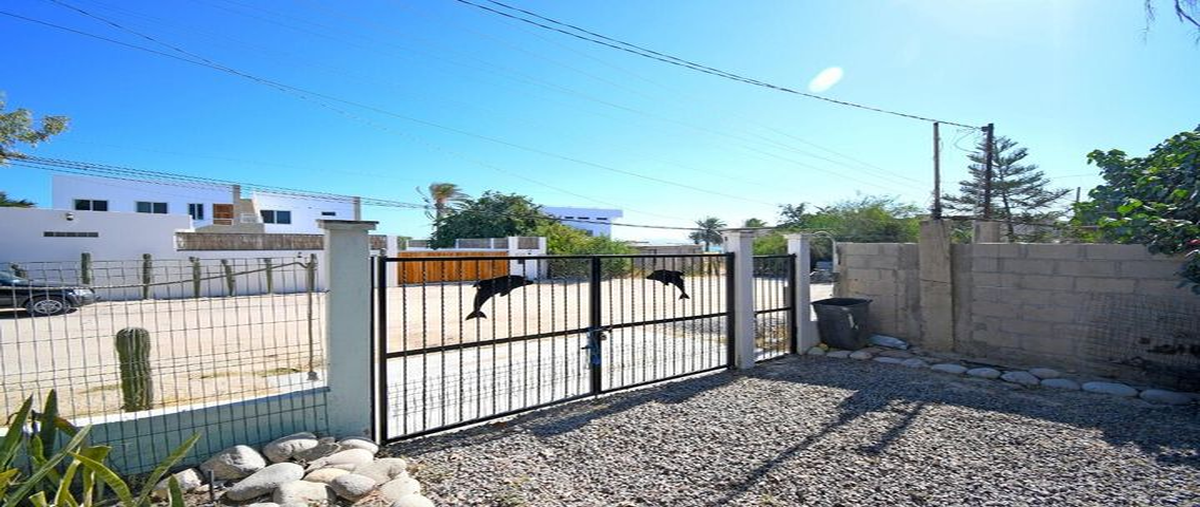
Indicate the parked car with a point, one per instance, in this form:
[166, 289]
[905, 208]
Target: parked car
[41, 298]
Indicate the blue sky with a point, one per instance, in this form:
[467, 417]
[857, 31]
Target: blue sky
[1061, 78]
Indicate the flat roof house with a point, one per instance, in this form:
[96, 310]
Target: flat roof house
[212, 208]
[594, 221]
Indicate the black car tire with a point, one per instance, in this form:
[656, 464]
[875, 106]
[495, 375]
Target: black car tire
[45, 306]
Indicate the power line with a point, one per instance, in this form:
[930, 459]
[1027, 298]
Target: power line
[308, 94]
[627, 47]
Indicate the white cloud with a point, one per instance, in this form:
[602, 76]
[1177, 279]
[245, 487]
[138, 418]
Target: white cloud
[825, 80]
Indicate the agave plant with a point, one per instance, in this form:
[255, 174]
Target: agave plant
[53, 472]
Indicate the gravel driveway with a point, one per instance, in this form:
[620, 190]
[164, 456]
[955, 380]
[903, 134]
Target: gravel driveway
[820, 431]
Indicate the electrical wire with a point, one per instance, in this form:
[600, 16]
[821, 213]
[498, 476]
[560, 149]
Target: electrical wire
[620, 45]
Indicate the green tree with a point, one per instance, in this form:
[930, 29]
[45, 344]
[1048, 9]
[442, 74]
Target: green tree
[754, 223]
[566, 240]
[492, 215]
[1152, 200]
[709, 232]
[1020, 192]
[5, 202]
[19, 127]
[793, 216]
[442, 197]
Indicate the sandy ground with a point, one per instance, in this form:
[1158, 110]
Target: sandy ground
[213, 349]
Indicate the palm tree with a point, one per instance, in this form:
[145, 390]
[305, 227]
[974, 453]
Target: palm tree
[709, 233]
[442, 197]
[5, 202]
[754, 223]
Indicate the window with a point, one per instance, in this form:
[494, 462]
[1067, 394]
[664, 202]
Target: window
[602, 219]
[585, 218]
[70, 234]
[152, 207]
[329, 213]
[196, 210]
[270, 216]
[90, 205]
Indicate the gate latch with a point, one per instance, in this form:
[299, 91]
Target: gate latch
[595, 336]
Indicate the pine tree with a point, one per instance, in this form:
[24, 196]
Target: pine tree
[1020, 192]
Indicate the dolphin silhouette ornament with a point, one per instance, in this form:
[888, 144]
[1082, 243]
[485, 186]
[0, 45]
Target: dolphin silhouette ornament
[668, 277]
[499, 286]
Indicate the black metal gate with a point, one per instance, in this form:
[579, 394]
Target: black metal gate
[774, 305]
[456, 348]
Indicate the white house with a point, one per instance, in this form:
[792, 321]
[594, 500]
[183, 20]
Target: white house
[594, 221]
[212, 208]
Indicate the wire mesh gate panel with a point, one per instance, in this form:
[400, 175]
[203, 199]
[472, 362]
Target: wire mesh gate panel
[774, 302]
[554, 329]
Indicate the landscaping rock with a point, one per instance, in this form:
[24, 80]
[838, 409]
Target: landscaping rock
[898, 354]
[1045, 373]
[914, 362]
[189, 480]
[327, 446]
[383, 469]
[951, 368]
[353, 486]
[347, 460]
[325, 475]
[413, 501]
[1111, 388]
[1165, 397]
[1061, 383]
[861, 355]
[234, 463]
[888, 360]
[396, 488]
[264, 481]
[815, 351]
[1020, 377]
[984, 372]
[839, 354]
[358, 443]
[283, 448]
[304, 493]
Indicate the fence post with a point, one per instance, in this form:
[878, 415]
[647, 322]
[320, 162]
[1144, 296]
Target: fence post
[196, 276]
[147, 275]
[985, 231]
[806, 329]
[741, 244]
[270, 275]
[347, 279]
[85, 268]
[230, 281]
[936, 285]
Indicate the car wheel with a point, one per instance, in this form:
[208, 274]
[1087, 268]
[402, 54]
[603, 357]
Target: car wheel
[46, 306]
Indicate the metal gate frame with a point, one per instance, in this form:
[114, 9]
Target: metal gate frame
[595, 332]
[788, 303]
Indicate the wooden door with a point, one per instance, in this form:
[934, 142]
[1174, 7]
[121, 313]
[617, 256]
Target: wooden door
[222, 214]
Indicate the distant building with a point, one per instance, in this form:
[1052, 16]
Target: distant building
[212, 208]
[594, 221]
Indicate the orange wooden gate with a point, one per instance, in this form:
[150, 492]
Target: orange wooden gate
[450, 270]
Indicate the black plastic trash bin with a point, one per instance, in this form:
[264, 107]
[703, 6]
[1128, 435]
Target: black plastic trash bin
[843, 322]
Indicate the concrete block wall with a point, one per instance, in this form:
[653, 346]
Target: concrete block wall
[1110, 310]
[887, 274]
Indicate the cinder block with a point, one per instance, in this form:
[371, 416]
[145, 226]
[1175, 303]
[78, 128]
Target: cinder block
[1053, 251]
[1116, 252]
[1046, 282]
[1010, 250]
[984, 264]
[1121, 285]
[1160, 269]
[1086, 268]
[856, 261]
[1027, 266]
[889, 249]
[991, 294]
[884, 261]
[860, 249]
[1162, 288]
[993, 309]
[1048, 313]
[1049, 344]
[986, 250]
[1014, 324]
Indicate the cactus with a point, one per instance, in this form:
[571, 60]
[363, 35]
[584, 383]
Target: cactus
[133, 355]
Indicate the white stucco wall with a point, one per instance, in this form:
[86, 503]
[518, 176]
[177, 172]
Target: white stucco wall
[305, 212]
[121, 235]
[606, 216]
[123, 195]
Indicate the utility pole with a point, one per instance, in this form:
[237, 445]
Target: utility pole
[937, 173]
[989, 150]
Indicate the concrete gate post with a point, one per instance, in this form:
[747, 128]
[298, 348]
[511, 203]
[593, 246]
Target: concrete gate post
[348, 326]
[741, 244]
[936, 286]
[986, 231]
[806, 329]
